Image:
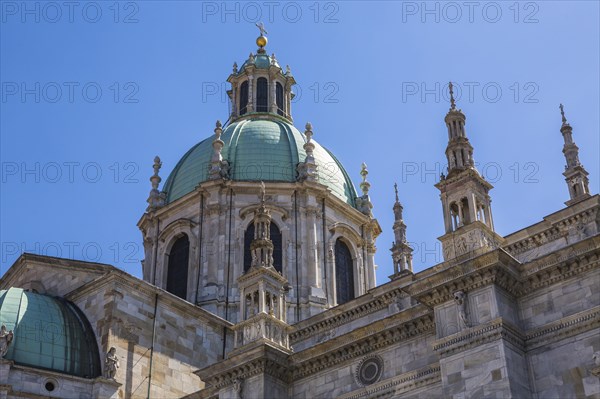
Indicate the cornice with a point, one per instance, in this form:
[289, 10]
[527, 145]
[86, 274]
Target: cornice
[402, 383]
[127, 283]
[345, 314]
[261, 358]
[494, 267]
[560, 329]
[491, 331]
[362, 341]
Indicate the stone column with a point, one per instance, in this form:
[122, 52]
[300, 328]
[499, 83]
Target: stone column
[311, 243]
[473, 207]
[250, 93]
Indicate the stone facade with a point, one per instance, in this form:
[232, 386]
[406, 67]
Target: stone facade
[155, 334]
[501, 317]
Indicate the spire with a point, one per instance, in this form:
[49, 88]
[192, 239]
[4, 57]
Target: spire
[156, 199]
[397, 205]
[459, 151]
[401, 251]
[307, 170]
[575, 174]
[363, 203]
[219, 168]
[466, 203]
[562, 112]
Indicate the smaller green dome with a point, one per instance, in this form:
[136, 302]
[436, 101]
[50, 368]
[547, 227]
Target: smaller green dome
[49, 333]
[261, 61]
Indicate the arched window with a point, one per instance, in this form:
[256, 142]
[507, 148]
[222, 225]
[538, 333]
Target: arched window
[177, 272]
[244, 98]
[262, 95]
[344, 273]
[277, 250]
[279, 98]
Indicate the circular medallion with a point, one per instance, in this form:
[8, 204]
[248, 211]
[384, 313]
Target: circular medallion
[369, 370]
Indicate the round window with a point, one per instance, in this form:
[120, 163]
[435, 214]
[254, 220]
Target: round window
[369, 370]
[50, 385]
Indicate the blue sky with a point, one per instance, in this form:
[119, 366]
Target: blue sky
[92, 91]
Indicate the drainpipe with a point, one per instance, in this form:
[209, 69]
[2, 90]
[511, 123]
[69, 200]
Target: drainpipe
[200, 246]
[296, 245]
[152, 347]
[228, 271]
[156, 251]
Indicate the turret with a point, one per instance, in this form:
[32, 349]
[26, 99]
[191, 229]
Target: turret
[575, 174]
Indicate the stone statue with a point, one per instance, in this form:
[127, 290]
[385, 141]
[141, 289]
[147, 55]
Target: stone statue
[596, 357]
[225, 167]
[6, 338]
[460, 298]
[111, 364]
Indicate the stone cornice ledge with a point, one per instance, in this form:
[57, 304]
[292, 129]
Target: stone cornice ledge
[402, 383]
[563, 328]
[358, 308]
[261, 357]
[363, 341]
[496, 266]
[491, 331]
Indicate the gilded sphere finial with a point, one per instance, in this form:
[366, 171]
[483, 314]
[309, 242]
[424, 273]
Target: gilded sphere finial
[261, 41]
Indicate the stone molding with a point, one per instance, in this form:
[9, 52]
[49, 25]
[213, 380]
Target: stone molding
[375, 304]
[401, 383]
[261, 357]
[122, 282]
[562, 264]
[495, 267]
[476, 336]
[363, 341]
[563, 328]
[554, 231]
[525, 341]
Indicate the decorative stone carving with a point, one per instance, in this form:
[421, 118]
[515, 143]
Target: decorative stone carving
[369, 370]
[6, 337]
[237, 387]
[156, 199]
[461, 301]
[111, 363]
[596, 357]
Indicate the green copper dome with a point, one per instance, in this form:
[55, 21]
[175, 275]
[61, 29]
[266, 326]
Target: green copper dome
[261, 61]
[49, 333]
[259, 149]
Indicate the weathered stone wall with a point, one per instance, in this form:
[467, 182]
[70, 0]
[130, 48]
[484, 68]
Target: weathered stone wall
[182, 340]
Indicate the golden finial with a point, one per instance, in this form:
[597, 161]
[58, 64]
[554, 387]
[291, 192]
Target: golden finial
[262, 41]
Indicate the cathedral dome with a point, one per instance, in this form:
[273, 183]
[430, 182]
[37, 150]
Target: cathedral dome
[262, 61]
[259, 149]
[49, 333]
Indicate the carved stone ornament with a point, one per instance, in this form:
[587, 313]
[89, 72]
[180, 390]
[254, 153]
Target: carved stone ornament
[6, 338]
[461, 302]
[111, 363]
[369, 370]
